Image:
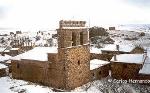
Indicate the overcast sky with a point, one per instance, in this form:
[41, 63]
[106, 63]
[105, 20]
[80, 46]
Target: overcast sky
[43, 14]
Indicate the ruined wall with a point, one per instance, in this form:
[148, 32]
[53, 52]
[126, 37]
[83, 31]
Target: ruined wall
[137, 50]
[100, 72]
[2, 72]
[14, 52]
[125, 70]
[106, 57]
[30, 70]
[77, 66]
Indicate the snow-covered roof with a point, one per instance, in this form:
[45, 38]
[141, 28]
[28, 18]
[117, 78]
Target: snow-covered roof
[15, 49]
[96, 63]
[37, 53]
[4, 58]
[123, 48]
[129, 58]
[145, 69]
[2, 66]
[95, 50]
[2, 49]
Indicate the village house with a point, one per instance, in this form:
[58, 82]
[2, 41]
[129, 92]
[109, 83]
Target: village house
[9, 51]
[112, 28]
[127, 66]
[99, 69]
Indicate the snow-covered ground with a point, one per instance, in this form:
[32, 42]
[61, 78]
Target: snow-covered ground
[8, 85]
[109, 85]
[106, 85]
[120, 37]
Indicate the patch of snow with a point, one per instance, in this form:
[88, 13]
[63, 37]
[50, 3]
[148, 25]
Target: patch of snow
[15, 49]
[96, 63]
[124, 48]
[2, 49]
[8, 85]
[145, 69]
[37, 53]
[130, 58]
[95, 50]
[4, 58]
[2, 66]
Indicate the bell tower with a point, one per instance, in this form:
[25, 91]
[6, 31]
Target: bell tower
[74, 52]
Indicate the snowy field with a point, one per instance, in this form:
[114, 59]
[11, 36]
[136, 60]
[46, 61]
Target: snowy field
[8, 85]
[121, 37]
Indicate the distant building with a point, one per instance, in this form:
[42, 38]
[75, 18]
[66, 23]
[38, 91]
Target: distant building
[11, 33]
[2, 70]
[112, 28]
[18, 32]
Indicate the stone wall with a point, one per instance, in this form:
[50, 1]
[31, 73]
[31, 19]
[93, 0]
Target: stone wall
[52, 57]
[2, 72]
[125, 70]
[100, 72]
[77, 66]
[106, 57]
[30, 70]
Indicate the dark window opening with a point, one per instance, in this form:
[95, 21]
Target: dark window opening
[73, 39]
[64, 68]
[18, 65]
[81, 38]
[100, 72]
[93, 74]
[78, 62]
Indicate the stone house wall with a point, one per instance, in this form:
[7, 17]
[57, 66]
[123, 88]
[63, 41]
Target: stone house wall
[2, 72]
[121, 70]
[101, 72]
[106, 57]
[77, 66]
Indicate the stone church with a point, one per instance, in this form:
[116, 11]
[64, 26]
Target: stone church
[66, 68]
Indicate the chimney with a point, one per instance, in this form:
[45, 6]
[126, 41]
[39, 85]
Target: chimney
[115, 58]
[117, 47]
